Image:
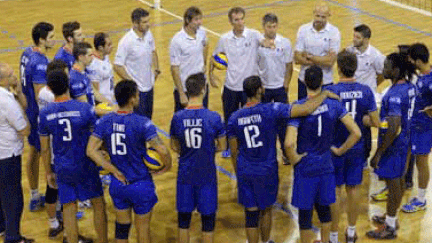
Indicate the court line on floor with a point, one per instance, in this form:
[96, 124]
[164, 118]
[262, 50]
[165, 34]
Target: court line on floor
[408, 7]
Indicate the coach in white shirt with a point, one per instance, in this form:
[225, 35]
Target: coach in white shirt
[136, 59]
[188, 54]
[317, 43]
[100, 69]
[13, 128]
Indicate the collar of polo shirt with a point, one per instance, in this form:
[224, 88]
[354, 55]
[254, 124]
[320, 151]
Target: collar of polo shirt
[243, 35]
[326, 28]
[187, 35]
[137, 36]
[365, 53]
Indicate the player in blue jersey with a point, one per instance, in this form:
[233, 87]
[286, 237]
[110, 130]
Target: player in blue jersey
[421, 125]
[390, 159]
[34, 65]
[252, 133]
[309, 148]
[68, 123]
[80, 84]
[132, 187]
[73, 35]
[196, 135]
[359, 102]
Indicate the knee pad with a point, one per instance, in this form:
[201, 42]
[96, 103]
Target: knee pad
[324, 213]
[252, 219]
[122, 231]
[208, 222]
[305, 219]
[184, 220]
[51, 195]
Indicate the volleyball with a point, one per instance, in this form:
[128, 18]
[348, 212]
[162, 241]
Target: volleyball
[220, 61]
[153, 160]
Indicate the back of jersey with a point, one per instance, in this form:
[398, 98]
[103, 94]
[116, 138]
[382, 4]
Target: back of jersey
[125, 136]
[358, 100]
[35, 73]
[255, 128]
[25, 57]
[197, 130]
[69, 123]
[315, 136]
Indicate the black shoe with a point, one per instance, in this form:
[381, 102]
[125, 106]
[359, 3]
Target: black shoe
[380, 220]
[384, 232]
[81, 239]
[53, 232]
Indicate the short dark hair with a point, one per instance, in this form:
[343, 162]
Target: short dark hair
[191, 13]
[251, 85]
[139, 13]
[40, 31]
[270, 18]
[58, 82]
[56, 64]
[195, 83]
[364, 30]
[68, 29]
[235, 10]
[80, 49]
[347, 63]
[124, 91]
[419, 51]
[99, 39]
[313, 77]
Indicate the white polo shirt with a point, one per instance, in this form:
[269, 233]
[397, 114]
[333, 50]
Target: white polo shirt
[318, 43]
[272, 62]
[135, 54]
[187, 52]
[101, 71]
[45, 97]
[370, 63]
[242, 54]
[12, 120]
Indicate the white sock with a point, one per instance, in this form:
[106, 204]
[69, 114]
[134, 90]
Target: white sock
[391, 221]
[334, 237]
[54, 223]
[34, 194]
[351, 231]
[421, 195]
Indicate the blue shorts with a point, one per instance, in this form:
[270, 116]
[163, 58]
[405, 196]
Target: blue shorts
[349, 168]
[86, 189]
[307, 191]
[257, 191]
[202, 197]
[140, 195]
[421, 140]
[392, 163]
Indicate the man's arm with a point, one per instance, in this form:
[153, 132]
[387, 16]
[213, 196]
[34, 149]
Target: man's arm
[372, 119]
[380, 79]
[310, 105]
[233, 144]
[175, 145]
[45, 143]
[205, 55]
[175, 72]
[291, 146]
[163, 151]
[121, 71]
[288, 76]
[394, 124]
[98, 96]
[301, 58]
[327, 60]
[155, 64]
[352, 139]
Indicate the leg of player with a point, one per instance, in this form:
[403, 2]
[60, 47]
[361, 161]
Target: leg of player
[324, 215]
[142, 224]
[305, 223]
[208, 225]
[252, 223]
[70, 221]
[123, 225]
[36, 201]
[184, 220]
[335, 215]
[423, 176]
[100, 219]
[353, 199]
[265, 224]
[51, 201]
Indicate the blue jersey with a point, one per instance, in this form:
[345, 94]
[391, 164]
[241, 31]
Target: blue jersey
[196, 130]
[422, 100]
[24, 59]
[69, 123]
[66, 56]
[255, 128]
[358, 101]
[80, 84]
[315, 137]
[35, 73]
[398, 101]
[125, 136]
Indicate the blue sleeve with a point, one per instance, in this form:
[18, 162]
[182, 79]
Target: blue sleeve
[394, 106]
[99, 129]
[150, 131]
[372, 106]
[282, 110]
[77, 87]
[39, 73]
[42, 127]
[294, 122]
[230, 132]
[173, 127]
[220, 127]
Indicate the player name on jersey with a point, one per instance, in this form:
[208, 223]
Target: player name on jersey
[249, 120]
[118, 127]
[352, 95]
[321, 109]
[63, 115]
[192, 122]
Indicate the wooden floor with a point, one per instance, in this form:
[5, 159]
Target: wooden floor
[391, 26]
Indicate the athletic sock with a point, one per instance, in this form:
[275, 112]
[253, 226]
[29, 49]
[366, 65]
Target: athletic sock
[334, 237]
[351, 231]
[391, 221]
[421, 195]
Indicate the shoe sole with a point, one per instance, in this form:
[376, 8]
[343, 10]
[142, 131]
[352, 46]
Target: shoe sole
[416, 209]
[379, 199]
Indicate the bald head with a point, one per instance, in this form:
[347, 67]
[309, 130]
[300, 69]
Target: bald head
[321, 14]
[6, 73]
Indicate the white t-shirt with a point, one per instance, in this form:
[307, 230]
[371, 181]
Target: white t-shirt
[12, 120]
[242, 54]
[318, 43]
[136, 55]
[188, 53]
[45, 97]
[272, 62]
[101, 71]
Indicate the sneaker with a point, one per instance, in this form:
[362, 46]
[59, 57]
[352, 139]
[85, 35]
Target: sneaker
[85, 204]
[226, 153]
[381, 220]
[384, 232]
[380, 196]
[53, 232]
[350, 239]
[81, 239]
[37, 203]
[413, 206]
[25, 240]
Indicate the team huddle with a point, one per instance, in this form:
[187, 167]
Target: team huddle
[325, 135]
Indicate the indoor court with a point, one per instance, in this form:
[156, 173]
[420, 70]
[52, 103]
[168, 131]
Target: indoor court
[391, 25]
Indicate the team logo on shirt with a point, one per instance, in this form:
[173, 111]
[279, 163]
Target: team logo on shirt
[248, 44]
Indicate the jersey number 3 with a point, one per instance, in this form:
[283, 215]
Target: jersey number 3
[68, 129]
